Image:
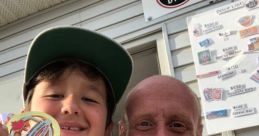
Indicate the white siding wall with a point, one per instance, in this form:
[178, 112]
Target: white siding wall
[122, 20]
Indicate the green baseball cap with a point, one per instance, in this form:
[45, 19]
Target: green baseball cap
[113, 61]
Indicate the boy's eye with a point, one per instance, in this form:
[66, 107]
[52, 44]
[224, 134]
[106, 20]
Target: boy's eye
[55, 96]
[86, 99]
[177, 126]
[145, 125]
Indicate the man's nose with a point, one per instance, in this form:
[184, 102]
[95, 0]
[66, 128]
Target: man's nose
[70, 105]
[163, 131]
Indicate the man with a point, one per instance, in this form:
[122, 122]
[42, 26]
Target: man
[163, 106]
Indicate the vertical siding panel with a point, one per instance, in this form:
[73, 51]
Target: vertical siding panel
[10, 89]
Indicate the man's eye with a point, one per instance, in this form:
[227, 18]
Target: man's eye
[86, 99]
[145, 125]
[177, 126]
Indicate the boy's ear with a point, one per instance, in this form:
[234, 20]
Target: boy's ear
[108, 131]
[23, 110]
[26, 108]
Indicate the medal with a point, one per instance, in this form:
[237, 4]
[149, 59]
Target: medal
[33, 124]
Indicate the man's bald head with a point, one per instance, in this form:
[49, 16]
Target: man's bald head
[163, 98]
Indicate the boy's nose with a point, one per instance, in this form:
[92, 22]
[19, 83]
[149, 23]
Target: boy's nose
[70, 106]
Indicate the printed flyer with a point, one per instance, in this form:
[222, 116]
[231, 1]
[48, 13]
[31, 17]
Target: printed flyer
[225, 47]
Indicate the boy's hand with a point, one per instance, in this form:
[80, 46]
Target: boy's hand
[3, 130]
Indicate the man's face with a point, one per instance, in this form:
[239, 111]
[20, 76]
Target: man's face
[77, 103]
[162, 111]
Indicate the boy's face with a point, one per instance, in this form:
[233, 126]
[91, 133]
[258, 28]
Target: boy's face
[77, 103]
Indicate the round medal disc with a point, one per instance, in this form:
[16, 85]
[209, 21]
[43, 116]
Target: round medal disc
[33, 124]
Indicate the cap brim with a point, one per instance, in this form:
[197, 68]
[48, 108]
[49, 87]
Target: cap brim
[102, 52]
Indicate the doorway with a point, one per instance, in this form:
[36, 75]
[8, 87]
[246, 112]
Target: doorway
[145, 64]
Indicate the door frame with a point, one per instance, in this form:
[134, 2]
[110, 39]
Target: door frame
[160, 39]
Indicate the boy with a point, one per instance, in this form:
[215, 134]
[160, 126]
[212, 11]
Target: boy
[77, 76]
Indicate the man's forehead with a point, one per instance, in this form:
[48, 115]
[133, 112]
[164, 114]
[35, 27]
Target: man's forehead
[157, 90]
[161, 82]
[150, 101]
[162, 91]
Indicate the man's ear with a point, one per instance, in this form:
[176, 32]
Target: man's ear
[108, 130]
[200, 129]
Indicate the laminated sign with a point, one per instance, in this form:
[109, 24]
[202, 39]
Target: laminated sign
[225, 47]
[157, 8]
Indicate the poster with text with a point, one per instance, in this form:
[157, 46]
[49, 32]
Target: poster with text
[225, 47]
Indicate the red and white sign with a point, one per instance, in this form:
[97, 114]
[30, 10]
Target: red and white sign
[157, 8]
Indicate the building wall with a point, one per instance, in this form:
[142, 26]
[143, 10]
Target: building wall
[122, 20]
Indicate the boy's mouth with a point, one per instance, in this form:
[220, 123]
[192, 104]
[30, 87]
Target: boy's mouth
[72, 128]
